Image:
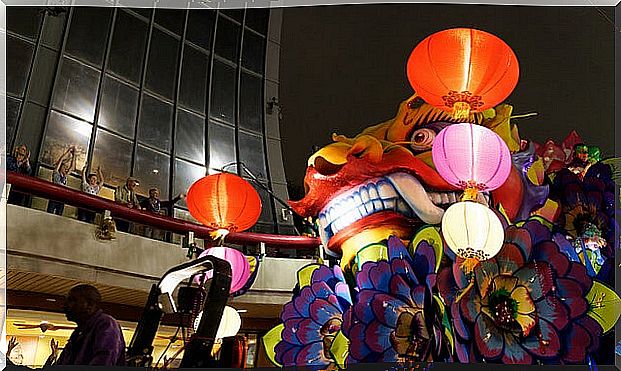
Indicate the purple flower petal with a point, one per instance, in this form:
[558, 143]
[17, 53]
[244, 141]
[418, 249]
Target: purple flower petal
[544, 342]
[424, 260]
[418, 297]
[578, 273]
[312, 354]
[571, 295]
[520, 238]
[303, 301]
[321, 274]
[286, 354]
[488, 338]
[321, 290]
[362, 309]
[380, 276]
[538, 232]
[321, 311]
[288, 311]
[403, 268]
[396, 249]
[538, 281]
[386, 309]
[309, 331]
[552, 310]
[470, 305]
[399, 288]
[458, 322]
[377, 337]
[289, 333]
[548, 252]
[358, 350]
[509, 259]
[342, 291]
[514, 353]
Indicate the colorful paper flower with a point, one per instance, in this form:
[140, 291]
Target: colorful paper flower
[313, 319]
[526, 305]
[394, 317]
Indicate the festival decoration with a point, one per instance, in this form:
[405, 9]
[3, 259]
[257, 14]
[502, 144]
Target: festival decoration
[529, 304]
[539, 295]
[224, 202]
[312, 321]
[472, 231]
[240, 267]
[471, 157]
[463, 70]
[230, 323]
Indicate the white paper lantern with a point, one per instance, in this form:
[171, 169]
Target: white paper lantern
[229, 324]
[472, 231]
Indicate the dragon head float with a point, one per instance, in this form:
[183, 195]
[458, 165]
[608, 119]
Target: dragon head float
[383, 182]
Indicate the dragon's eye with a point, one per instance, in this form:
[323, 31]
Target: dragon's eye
[422, 139]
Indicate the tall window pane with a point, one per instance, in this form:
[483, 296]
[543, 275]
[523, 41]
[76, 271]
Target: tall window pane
[200, 27]
[253, 57]
[223, 92]
[43, 76]
[185, 175]
[30, 128]
[87, 33]
[118, 107]
[76, 89]
[128, 46]
[114, 155]
[63, 132]
[52, 32]
[193, 79]
[12, 114]
[227, 39]
[23, 20]
[266, 204]
[190, 136]
[251, 153]
[251, 103]
[171, 19]
[162, 64]
[258, 19]
[221, 145]
[152, 169]
[155, 123]
[18, 63]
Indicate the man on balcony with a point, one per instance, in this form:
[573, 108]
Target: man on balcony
[126, 195]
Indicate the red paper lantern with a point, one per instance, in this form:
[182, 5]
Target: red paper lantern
[463, 70]
[224, 202]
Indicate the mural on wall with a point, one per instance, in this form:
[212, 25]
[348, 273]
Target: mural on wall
[419, 281]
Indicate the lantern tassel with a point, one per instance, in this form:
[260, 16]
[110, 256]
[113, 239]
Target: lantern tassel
[469, 264]
[219, 234]
[461, 111]
[470, 194]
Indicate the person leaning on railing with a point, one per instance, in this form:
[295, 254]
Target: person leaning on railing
[19, 162]
[126, 195]
[155, 205]
[91, 185]
[60, 177]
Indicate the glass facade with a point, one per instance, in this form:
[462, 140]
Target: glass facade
[164, 95]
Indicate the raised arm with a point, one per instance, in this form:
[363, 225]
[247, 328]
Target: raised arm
[60, 160]
[84, 174]
[73, 156]
[100, 177]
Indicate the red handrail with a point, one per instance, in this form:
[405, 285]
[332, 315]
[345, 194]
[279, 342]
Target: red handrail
[42, 188]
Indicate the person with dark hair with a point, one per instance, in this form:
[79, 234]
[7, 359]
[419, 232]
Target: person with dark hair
[59, 176]
[98, 339]
[19, 162]
[155, 205]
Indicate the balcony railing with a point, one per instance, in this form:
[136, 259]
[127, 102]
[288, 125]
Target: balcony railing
[45, 189]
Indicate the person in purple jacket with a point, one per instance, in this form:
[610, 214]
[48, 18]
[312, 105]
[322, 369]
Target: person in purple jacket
[98, 339]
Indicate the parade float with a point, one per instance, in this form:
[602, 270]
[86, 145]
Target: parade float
[457, 239]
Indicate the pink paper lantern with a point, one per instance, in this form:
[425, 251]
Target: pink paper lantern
[471, 156]
[240, 268]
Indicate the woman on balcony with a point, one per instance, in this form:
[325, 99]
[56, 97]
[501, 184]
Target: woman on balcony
[60, 177]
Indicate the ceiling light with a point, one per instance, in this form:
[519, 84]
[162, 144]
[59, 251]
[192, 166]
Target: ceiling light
[155, 171]
[50, 299]
[242, 311]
